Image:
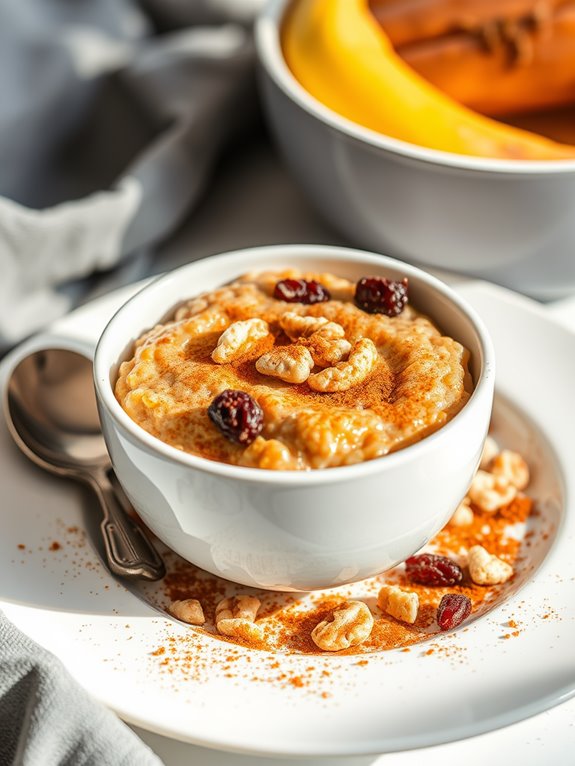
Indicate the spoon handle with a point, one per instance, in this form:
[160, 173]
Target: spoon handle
[128, 550]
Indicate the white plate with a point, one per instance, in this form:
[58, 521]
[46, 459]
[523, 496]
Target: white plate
[475, 680]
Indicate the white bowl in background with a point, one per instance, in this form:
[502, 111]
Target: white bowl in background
[509, 221]
[295, 530]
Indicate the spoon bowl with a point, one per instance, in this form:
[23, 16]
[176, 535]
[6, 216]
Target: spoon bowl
[53, 418]
[51, 412]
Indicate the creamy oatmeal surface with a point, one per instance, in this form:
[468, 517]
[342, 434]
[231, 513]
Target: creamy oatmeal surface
[328, 383]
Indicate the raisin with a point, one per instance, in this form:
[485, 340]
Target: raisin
[452, 610]
[378, 295]
[239, 417]
[430, 569]
[301, 291]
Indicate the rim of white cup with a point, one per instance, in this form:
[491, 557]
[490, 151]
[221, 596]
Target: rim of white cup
[270, 55]
[105, 359]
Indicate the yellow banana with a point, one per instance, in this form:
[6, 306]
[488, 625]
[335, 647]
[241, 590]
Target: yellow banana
[340, 54]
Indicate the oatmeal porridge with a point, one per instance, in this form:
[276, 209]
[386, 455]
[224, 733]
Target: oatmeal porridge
[286, 370]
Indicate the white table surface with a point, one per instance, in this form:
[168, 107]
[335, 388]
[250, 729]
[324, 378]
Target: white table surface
[253, 201]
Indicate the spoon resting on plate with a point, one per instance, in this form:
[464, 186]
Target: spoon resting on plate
[51, 412]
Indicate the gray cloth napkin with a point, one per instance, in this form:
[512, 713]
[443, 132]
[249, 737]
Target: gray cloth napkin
[46, 719]
[111, 115]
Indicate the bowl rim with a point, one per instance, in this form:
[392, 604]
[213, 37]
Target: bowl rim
[104, 359]
[270, 55]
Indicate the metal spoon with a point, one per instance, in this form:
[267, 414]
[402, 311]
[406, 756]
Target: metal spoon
[51, 412]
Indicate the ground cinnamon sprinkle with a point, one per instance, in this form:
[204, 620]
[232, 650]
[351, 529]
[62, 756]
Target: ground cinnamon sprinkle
[383, 390]
[288, 621]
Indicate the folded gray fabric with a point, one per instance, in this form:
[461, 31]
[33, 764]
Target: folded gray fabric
[46, 719]
[111, 115]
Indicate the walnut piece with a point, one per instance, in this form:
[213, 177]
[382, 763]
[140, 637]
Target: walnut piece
[241, 607]
[238, 339]
[188, 610]
[290, 363]
[325, 340]
[511, 466]
[350, 625]
[485, 569]
[242, 629]
[235, 617]
[296, 326]
[330, 331]
[490, 492]
[362, 359]
[327, 351]
[401, 604]
[463, 515]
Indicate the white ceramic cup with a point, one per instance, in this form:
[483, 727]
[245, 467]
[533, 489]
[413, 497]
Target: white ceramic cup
[295, 530]
[508, 221]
